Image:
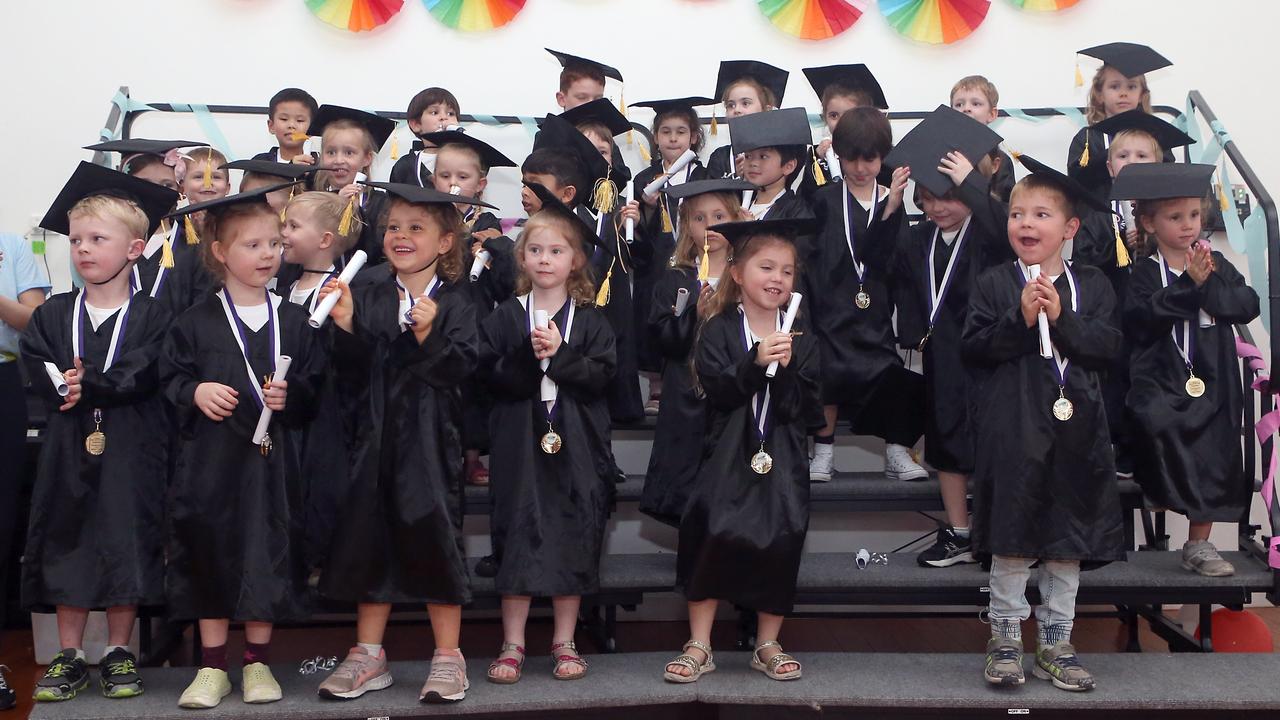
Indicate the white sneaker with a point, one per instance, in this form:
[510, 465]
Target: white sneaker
[820, 464]
[898, 464]
[206, 691]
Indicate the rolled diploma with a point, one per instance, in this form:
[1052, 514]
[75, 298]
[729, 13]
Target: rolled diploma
[682, 301]
[548, 386]
[662, 179]
[1042, 321]
[478, 265]
[631, 222]
[833, 163]
[788, 320]
[57, 378]
[348, 274]
[264, 420]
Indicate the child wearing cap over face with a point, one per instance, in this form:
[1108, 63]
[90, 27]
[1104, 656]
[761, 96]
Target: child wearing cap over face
[746, 87]
[350, 140]
[743, 530]
[100, 484]
[235, 549]
[432, 110]
[977, 97]
[289, 115]
[1044, 475]
[1183, 302]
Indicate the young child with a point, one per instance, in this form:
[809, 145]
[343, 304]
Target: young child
[977, 97]
[289, 115]
[350, 139]
[203, 181]
[937, 264]
[581, 80]
[850, 268]
[773, 145]
[1119, 85]
[745, 87]
[672, 329]
[432, 110]
[743, 531]
[1183, 302]
[840, 88]
[405, 340]
[1044, 478]
[90, 494]
[551, 485]
[235, 543]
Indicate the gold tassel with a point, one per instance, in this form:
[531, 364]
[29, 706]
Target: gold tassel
[1084, 156]
[605, 195]
[348, 215]
[206, 181]
[1224, 203]
[602, 297]
[1122, 250]
[395, 146]
[644, 153]
[166, 254]
[285, 209]
[622, 108]
[190, 228]
[704, 266]
[714, 127]
[818, 176]
[667, 226]
[1079, 75]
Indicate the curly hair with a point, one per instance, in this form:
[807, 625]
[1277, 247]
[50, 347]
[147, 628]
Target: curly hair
[449, 221]
[580, 285]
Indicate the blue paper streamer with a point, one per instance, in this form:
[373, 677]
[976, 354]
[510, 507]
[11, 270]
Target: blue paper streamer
[1255, 240]
[1074, 114]
[212, 132]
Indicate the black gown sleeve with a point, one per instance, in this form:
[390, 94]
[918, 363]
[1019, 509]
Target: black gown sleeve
[1088, 337]
[506, 359]
[994, 331]
[989, 213]
[585, 373]
[39, 344]
[134, 374]
[306, 374]
[180, 367]
[673, 335]
[728, 384]
[795, 389]
[1225, 295]
[448, 354]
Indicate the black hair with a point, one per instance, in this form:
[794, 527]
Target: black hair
[293, 94]
[862, 133]
[547, 161]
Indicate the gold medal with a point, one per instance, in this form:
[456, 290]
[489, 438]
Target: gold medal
[923, 341]
[96, 442]
[862, 300]
[1195, 386]
[551, 442]
[761, 462]
[265, 447]
[1063, 409]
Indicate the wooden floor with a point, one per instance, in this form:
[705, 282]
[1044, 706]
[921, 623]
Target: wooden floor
[481, 639]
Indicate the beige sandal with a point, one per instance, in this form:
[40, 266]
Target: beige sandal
[770, 667]
[515, 663]
[567, 658]
[696, 669]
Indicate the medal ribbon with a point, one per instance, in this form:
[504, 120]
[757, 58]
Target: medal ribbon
[1061, 363]
[77, 330]
[550, 392]
[760, 401]
[860, 268]
[241, 336]
[938, 291]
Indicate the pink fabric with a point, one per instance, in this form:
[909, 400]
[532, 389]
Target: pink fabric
[1265, 429]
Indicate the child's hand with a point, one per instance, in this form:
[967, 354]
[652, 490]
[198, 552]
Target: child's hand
[822, 149]
[774, 348]
[897, 188]
[739, 161]
[650, 200]
[345, 310]
[704, 300]
[423, 313]
[216, 401]
[1199, 263]
[1132, 239]
[72, 377]
[483, 236]
[350, 190]
[630, 211]
[1049, 299]
[1031, 295]
[273, 394]
[955, 166]
[303, 159]
[546, 341]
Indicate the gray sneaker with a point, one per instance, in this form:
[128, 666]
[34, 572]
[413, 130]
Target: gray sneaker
[358, 674]
[447, 681]
[1004, 661]
[1202, 557]
[1058, 663]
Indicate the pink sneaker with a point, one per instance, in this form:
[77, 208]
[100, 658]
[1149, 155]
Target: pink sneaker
[447, 681]
[357, 675]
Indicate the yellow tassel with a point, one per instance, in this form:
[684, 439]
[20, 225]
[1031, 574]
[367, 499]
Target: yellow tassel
[644, 154]
[667, 226]
[605, 196]
[206, 181]
[1224, 203]
[818, 176]
[348, 215]
[704, 265]
[1122, 251]
[1084, 156]
[602, 297]
[395, 146]
[714, 125]
[190, 228]
[166, 254]
[622, 108]
[1079, 75]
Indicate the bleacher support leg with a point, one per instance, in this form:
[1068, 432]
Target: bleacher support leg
[1206, 628]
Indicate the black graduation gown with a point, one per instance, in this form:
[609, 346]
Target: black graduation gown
[678, 437]
[372, 215]
[274, 155]
[1187, 450]
[788, 205]
[1095, 245]
[549, 511]
[496, 283]
[623, 258]
[948, 399]
[1043, 488]
[406, 169]
[1094, 175]
[235, 542]
[149, 267]
[742, 534]
[1003, 181]
[188, 281]
[718, 165]
[400, 534]
[96, 533]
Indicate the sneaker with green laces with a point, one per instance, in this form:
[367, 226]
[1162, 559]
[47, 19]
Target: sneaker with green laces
[1059, 664]
[119, 674]
[65, 676]
[1004, 661]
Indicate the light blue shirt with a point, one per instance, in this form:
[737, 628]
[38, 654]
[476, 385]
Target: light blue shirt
[19, 272]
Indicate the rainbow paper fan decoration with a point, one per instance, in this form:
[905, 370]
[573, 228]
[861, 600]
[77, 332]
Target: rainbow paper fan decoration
[813, 19]
[355, 15]
[935, 21]
[1044, 5]
[474, 15]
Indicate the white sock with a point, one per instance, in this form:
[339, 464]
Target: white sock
[79, 653]
[112, 648]
[962, 532]
[823, 450]
[374, 650]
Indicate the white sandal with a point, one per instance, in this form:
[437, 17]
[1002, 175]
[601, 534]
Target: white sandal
[770, 667]
[696, 669]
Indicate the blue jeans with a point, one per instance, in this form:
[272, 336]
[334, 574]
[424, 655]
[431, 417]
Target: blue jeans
[1059, 584]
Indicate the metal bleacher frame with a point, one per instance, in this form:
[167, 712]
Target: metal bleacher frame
[851, 494]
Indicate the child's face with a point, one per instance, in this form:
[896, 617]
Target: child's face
[763, 167]
[530, 201]
[946, 213]
[580, 92]
[101, 246]
[302, 237]
[837, 106]
[159, 174]
[1039, 224]
[290, 119]
[603, 145]
[549, 258]
[742, 99]
[1176, 224]
[252, 253]
[458, 169]
[674, 137]
[1130, 150]
[413, 239]
[860, 172]
[705, 211]
[766, 278]
[435, 118]
[193, 183]
[1119, 93]
[974, 103]
[343, 154]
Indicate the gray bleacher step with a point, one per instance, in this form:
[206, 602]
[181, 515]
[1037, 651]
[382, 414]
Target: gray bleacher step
[1149, 681]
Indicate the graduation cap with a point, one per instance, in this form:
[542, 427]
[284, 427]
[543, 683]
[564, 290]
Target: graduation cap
[776, 128]
[738, 233]
[379, 127]
[852, 77]
[1074, 191]
[89, 180]
[1160, 181]
[568, 62]
[490, 157]
[142, 146]
[271, 168]
[218, 205]
[941, 132]
[425, 196]
[731, 71]
[1165, 133]
[664, 106]
[694, 188]
[1131, 59]
[560, 135]
[599, 111]
[551, 203]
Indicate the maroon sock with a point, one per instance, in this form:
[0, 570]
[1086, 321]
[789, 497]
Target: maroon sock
[255, 653]
[214, 657]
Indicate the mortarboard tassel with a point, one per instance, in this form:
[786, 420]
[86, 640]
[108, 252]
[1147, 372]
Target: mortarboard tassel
[622, 108]
[645, 156]
[818, 176]
[602, 297]
[1084, 156]
[667, 226]
[166, 249]
[704, 265]
[348, 215]
[395, 146]
[1224, 203]
[206, 181]
[1122, 250]
[714, 127]
[1079, 75]
[292, 190]
[190, 228]
[605, 196]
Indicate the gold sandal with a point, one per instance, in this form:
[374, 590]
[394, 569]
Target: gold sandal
[696, 669]
[564, 659]
[515, 663]
[770, 667]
